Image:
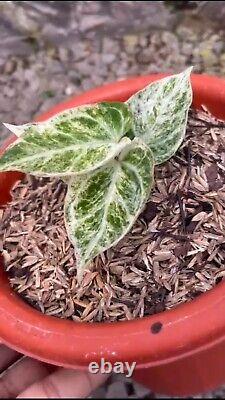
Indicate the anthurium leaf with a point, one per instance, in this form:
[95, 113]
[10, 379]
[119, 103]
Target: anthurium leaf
[101, 208]
[161, 111]
[73, 142]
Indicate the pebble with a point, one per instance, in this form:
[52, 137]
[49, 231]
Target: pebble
[143, 41]
[92, 22]
[9, 67]
[108, 58]
[110, 45]
[130, 43]
[145, 56]
[69, 90]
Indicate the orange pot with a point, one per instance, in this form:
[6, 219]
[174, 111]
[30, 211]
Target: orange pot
[178, 352]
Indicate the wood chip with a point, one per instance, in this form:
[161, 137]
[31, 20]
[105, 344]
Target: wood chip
[174, 252]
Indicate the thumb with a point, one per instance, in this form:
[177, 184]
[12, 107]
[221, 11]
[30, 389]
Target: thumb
[64, 383]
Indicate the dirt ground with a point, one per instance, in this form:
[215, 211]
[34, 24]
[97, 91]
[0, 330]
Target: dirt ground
[51, 50]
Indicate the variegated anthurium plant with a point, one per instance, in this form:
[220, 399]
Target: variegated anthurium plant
[106, 153]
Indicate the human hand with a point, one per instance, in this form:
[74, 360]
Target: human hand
[29, 378]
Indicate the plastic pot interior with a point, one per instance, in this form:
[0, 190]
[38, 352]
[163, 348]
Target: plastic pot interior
[183, 330]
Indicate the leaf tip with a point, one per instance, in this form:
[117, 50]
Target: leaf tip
[188, 71]
[16, 129]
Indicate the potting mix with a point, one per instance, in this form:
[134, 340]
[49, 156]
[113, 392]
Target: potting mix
[174, 252]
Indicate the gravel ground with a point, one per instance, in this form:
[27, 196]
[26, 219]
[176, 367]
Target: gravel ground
[42, 63]
[52, 50]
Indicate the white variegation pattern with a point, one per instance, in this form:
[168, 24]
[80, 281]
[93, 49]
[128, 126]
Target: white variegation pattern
[105, 153]
[74, 142]
[160, 113]
[101, 208]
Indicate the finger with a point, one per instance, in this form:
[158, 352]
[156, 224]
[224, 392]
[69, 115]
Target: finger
[7, 357]
[23, 374]
[65, 383]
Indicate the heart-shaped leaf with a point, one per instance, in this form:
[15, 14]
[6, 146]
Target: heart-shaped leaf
[101, 208]
[74, 142]
[160, 113]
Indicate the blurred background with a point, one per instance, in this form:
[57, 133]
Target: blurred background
[50, 50]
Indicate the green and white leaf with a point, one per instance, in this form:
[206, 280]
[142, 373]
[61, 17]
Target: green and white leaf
[160, 113]
[102, 207]
[73, 142]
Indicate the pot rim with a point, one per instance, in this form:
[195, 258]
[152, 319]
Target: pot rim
[186, 329]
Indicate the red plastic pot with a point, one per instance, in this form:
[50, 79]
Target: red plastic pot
[178, 352]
